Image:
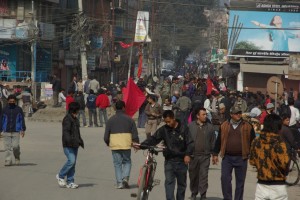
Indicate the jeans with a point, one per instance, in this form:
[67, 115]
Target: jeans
[69, 168]
[175, 171]
[142, 119]
[240, 169]
[93, 113]
[122, 164]
[11, 142]
[102, 113]
[82, 112]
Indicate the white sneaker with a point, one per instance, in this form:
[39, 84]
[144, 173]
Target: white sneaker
[61, 182]
[72, 186]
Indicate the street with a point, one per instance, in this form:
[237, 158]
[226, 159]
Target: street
[42, 157]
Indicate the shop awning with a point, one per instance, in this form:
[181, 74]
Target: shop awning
[265, 69]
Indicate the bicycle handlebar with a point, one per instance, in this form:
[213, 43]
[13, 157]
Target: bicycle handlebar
[152, 149]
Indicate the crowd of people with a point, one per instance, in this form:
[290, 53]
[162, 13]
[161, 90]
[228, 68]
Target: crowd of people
[201, 124]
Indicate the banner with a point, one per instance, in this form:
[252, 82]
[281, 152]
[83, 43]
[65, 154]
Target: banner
[134, 100]
[142, 27]
[264, 30]
[219, 56]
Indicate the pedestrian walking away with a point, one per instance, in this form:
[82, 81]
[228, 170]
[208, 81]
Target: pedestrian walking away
[71, 141]
[176, 138]
[102, 102]
[233, 144]
[91, 105]
[269, 154]
[120, 138]
[203, 136]
[12, 126]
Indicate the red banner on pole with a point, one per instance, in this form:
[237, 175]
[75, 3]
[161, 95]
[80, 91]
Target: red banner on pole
[133, 98]
[140, 68]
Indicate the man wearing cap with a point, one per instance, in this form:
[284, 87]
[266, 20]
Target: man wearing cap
[233, 145]
[269, 110]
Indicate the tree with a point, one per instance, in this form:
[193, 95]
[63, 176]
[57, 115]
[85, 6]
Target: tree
[247, 45]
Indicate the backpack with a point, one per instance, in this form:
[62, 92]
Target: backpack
[91, 101]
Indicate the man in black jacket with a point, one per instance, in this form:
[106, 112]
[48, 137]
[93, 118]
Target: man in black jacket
[56, 86]
[12, 125]
[176, 137]
[71, 140]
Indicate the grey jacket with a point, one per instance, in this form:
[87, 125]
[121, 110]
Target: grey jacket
[184, 103]
[210, 136]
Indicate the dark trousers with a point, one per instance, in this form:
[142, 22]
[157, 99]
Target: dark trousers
[175, 171]
[198, 171]
[93, 113]
[184, 116]
[240, 169]
[142, 119]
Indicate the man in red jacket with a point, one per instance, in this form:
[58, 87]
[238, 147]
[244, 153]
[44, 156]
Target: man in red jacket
[102, 102]
[69, 99]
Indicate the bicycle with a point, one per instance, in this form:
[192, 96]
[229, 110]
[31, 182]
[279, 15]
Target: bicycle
[146, 180]
[293, 175]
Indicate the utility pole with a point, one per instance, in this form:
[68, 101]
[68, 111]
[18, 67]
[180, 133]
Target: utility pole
[82, 48]
[33, 52]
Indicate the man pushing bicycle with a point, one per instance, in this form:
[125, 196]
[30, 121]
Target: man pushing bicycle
[176, 138]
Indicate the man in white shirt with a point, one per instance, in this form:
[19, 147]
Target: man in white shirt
[61, 97]
[295, 116]
[207, 106]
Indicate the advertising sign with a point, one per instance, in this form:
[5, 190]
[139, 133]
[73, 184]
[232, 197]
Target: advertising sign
[264, 30]
[219, 56]
[7, 28]
[142, 27]
[294, 63]
[8, 55]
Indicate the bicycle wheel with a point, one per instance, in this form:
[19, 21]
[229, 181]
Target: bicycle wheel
[293, 174]
[143, 191]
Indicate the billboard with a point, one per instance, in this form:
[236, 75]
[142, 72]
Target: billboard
[264, 30]
[8, 55]
[218, 56]
[142, 27]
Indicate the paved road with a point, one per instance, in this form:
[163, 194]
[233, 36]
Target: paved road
[42, 157]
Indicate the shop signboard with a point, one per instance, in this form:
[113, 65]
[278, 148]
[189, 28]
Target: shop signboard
[263, 29]
[8, 65]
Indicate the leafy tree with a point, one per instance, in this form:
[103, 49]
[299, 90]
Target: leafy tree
[247, 45]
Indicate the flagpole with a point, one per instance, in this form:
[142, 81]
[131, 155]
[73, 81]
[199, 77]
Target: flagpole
[129, 68]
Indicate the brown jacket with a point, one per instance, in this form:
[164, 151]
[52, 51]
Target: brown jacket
[248, 135]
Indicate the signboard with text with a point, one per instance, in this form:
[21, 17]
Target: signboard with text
[263, 30]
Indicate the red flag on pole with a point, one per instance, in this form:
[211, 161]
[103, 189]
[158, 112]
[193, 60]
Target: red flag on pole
[125, 46]
[133, 98]
[210, 86]
[140, 68]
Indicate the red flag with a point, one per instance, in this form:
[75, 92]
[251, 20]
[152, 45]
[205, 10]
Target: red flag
[133, 98]
[125, 46]
[210, 86]
[140, 68]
